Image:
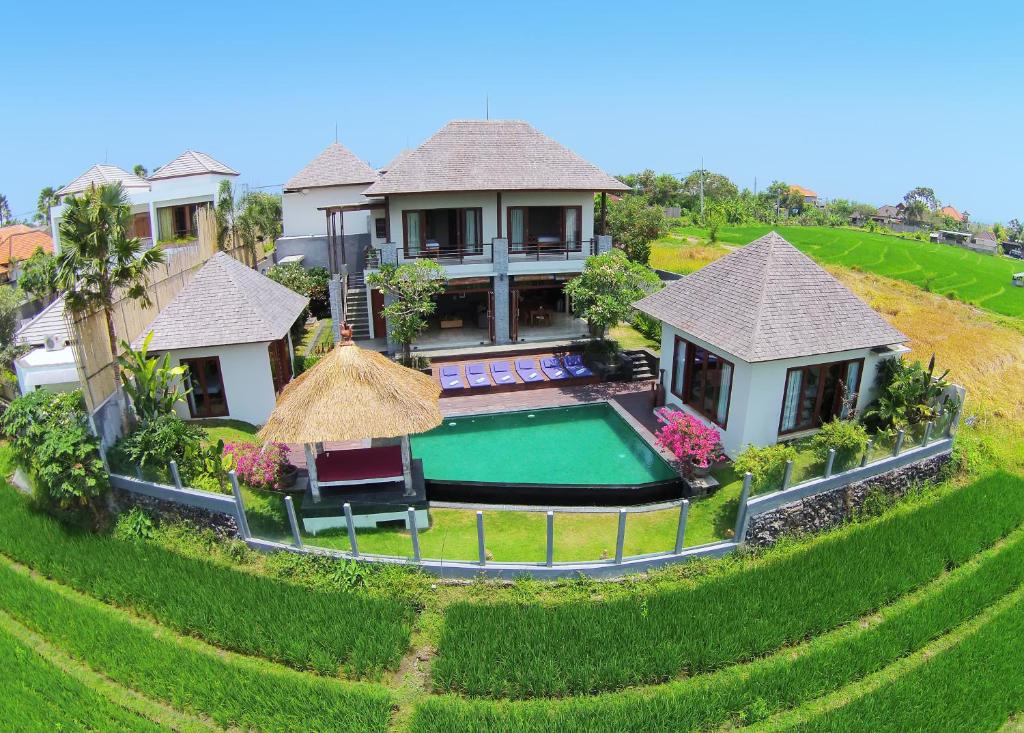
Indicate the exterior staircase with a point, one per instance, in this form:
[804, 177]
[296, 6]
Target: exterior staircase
[357, 315]
[640, 367]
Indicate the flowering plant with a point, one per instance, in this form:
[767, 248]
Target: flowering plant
[688, 439]
[258, 466]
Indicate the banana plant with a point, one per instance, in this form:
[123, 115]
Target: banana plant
[153, 385]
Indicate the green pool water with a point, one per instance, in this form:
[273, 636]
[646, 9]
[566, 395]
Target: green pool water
[584, 444]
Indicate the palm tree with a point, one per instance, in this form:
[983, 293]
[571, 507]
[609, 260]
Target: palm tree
[140, 170]
[5, 211]
[47, 200]
[98, 259]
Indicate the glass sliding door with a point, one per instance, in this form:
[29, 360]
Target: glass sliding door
[817, 393]
[572, 228]
[206, 382]
[413, 232]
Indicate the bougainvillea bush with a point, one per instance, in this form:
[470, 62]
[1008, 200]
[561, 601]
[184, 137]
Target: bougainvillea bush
[258, 466]
[689, 439]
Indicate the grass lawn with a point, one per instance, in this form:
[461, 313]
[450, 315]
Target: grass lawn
[984, 280]
[629, 338]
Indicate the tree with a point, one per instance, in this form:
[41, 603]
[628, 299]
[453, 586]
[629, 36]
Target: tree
[604, 293]
[224, 213]
[412, 288]
[140, 170]
[783, 197]
[717, 187]
[258, 220]
[47, 199]
[923, 194]
[152, 384]
[100, 261]
[915, 211]
[634, 224]
[999, 231]
[5, 211]
[1016, 230]
[39, 275]
[312, 283]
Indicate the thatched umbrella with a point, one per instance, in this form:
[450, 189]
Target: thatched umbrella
[353, 394]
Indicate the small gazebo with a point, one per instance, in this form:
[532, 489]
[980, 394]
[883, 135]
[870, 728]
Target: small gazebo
[355, 394]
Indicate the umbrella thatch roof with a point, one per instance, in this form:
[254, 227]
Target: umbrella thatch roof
[354, 394]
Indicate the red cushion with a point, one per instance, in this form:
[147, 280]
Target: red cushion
[359, 464]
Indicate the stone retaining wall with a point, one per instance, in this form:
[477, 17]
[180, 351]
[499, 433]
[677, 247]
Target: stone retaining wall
[223, 525]
[824, 511]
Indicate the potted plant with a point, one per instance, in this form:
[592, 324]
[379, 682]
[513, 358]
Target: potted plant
[696, 445]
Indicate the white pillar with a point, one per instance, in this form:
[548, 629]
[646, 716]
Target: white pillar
[407, 465]
[314, 484]
[153, 223]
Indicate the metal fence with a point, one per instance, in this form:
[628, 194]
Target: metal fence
[904, 451]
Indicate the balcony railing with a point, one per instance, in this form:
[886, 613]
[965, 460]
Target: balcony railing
[454, 255]
[550, 249]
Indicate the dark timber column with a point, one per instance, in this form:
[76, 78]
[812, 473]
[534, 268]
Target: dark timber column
[604, 210]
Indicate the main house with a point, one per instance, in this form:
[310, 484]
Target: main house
[507, 211]
[765, 345]
[164, 204]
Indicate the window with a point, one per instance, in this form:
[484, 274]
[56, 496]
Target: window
[380, 228]
[557, 228]
[815, 394]
[439, 232]
[207, 398]
[702, 380]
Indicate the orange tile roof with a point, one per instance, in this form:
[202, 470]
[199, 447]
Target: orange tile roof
[802, 191]
[19, 242]
[952, 213]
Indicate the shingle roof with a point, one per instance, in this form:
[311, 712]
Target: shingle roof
[769, 301]
[48, 322]
[192, 163]
[19, 242]
[952, 213]
[225, 303]
[100, 175]
[492, 155]
[335, 166]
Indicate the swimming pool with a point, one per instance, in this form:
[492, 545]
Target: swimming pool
[584, 454]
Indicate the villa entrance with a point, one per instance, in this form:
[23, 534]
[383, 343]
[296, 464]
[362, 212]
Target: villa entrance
[541, 310]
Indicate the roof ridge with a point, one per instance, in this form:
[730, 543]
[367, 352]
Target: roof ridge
[762, 292]
[233, 269]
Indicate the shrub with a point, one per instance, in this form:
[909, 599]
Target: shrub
[848, 437]
[157, 442]
[766, 465]
[258, 466]
[689, 439]
[908, 393]
[312, 283]
[50, 439]
[649, 327]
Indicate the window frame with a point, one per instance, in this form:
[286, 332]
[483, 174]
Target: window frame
[821, 367]
[380, 227]
[200, 376]
[460, 230]
[689, 352]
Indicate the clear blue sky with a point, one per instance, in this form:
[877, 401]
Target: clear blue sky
[856, 100]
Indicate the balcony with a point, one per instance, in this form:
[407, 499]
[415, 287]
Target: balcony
[457, 255]
[550, 248]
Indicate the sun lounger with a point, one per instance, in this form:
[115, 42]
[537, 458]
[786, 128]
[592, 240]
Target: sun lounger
[553, 368]
[501, 373]
[574, 365]
[450, 379]
[527, 371]
[476, 375]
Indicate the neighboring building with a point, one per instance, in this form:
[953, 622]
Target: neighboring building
[809, 196]
[765, 345]
[17, 243]
[51, 362]
[889, 215]
[953, 214]
[164, 204]
[230, 326]
[506, 210]
[326, 198]
[967, 240]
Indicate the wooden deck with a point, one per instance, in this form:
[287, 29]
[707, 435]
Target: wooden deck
[518, 386]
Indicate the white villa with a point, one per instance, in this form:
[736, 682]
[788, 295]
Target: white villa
[50, 362]
[230, 326]
[763, 344]
[164, 204]
[507, 211]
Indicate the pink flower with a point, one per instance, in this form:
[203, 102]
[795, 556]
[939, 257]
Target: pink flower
[689, 439]
[258, 466]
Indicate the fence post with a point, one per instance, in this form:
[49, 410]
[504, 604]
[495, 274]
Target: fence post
[684, 510]
[867, 452]
[899, 443]
[244, 523]
[551, 539]
[787, 475]
[175, 475]
[481, 547]
[620, 539]
[741, 512]
[414, 532]
[351, 529]
[927, 433]
[293, 521]
[830, 463]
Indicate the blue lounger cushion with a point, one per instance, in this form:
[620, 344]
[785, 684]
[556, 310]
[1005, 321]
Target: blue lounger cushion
[553, 368]
[450, 379]
[527, 370]
[501, 373]
[476, 375]
[574, 365]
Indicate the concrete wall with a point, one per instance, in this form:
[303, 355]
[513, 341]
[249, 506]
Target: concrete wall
[301, 215]
[758, 390]
[315, 250]
[248, 384]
